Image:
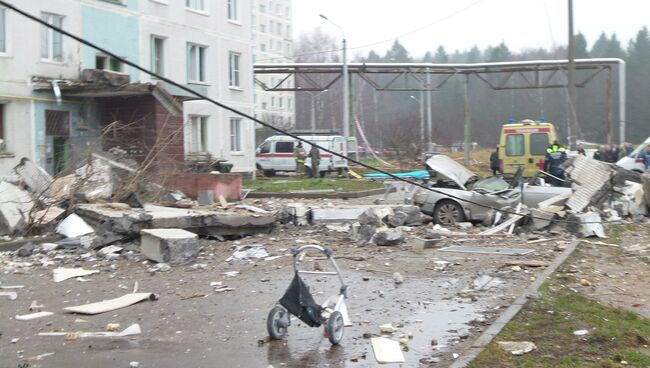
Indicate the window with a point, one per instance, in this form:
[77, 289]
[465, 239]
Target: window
[264, 105]
[262, 47]
[262, 27]
[234, 69]
[283, 147]
[265, 148]
[232, 10]
[105, 62]
[280, 102]
[515, 145]
[195, 63]
[3, 31]
[271, 26]
[157, 55]
[235, 134]
[195, 4]
[3, 144]
[262, 8]
[197, 132]
[51, 41]
[270, 44]
[288, 102]
[272, 101]
[538, 143]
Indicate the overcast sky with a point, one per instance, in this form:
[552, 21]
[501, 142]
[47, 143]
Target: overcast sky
[423, 25]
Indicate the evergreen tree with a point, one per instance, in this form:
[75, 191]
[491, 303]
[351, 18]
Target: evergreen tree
[581, 46]
[499, 53]
[397, 54]
[441, 55]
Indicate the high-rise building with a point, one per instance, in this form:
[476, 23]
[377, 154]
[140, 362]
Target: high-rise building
[272, 43]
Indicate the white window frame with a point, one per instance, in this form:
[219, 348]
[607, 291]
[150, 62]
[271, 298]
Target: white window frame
[234, 69]
[197, 133]
[233, 10]
[195, 62]
[49, 38]
[157, 61]
[196, 6]
[109, 59]
[235, 135]
[4, 31]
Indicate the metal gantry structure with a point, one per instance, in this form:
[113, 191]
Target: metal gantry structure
[430, 77]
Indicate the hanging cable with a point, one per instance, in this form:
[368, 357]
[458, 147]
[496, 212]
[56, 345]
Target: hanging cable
[247, 116]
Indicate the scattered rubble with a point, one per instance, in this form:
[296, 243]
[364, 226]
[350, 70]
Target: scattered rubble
[173, 246]
[517, 347]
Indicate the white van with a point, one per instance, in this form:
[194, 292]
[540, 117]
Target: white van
[634, 161]
[276, 153]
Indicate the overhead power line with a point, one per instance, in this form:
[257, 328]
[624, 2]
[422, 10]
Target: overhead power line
[252, 118]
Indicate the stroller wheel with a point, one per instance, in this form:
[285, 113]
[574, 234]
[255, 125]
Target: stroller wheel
[334, 327]
[277, 323]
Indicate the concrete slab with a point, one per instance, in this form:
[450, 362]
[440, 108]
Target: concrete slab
[15, 206]
[36, 179]
[173, 246]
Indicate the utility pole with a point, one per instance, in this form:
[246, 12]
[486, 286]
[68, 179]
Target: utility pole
[429, 124]
[468, 131]
[573, 118]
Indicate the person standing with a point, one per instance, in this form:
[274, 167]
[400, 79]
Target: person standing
[646, 158]
[614, 154]
[300, 155]
[494, 161]
[555, 156]
[581, 150]
[599, 154]
[314, 154]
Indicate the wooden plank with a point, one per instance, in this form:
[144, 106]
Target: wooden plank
[111, 304]
[62, 274]
[31, 316]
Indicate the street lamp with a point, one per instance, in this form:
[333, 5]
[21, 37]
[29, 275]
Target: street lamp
[421, 118]
[346, 90]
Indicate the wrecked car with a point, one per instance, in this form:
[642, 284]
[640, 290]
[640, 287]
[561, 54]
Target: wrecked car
[463, 196]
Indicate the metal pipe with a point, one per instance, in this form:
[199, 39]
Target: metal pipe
[610, 114]
[573, 116]
[346, 99]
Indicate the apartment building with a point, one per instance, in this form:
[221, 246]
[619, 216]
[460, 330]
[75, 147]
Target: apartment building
[52, 109]
[272, 43]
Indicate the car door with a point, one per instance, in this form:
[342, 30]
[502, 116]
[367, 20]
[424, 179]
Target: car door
[284, 154]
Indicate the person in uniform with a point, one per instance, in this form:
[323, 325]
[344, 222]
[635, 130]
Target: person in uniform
[300, 155]
[555, 156]
[314, 154]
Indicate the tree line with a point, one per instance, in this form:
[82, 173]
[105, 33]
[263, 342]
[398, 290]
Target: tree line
[392, 119]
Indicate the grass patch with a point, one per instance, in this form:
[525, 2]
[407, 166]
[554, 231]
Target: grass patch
[549, 321]
[295, 184]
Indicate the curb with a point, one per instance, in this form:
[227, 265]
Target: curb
[531, 292]
[317, 195]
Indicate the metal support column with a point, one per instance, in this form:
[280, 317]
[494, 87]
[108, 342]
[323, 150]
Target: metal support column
[468, 140]
[429, 124]
[610, 113]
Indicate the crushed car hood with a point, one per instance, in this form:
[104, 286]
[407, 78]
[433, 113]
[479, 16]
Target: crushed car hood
[451, 169]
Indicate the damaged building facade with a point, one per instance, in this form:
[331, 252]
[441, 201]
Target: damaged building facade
[59, 99]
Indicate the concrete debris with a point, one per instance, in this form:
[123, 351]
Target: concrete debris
[541, 219]
[132, 330]
[62, 274]
[387, 350]
[107, 251]
[31, 316]
[12, 295]
[387, 237]
[397, 278]
[161, 267]
[580, 332]
[375, 216]
[586, 225]
[517, 347]
[485, 282]
[173, 246]
[61, 188]
[298, 213]
[36, 179]
[345, 228]
[251, 208]
[487, 250]
[247, 252]
[15, 207]
[319, 215]
[73, 226]
[47, 216]
[111, 304]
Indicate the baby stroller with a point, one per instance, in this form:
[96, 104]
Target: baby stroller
[298, 301]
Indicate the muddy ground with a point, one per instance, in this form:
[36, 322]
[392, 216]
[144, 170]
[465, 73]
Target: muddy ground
[446, 297]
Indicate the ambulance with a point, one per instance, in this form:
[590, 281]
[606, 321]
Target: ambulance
[276, 153]
[524, 144]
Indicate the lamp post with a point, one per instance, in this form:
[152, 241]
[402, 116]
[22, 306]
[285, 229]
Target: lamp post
[346, 90]
[421, 118]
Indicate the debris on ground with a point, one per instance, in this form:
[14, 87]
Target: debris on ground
[517, 347]
[111, 304]
[387, 350]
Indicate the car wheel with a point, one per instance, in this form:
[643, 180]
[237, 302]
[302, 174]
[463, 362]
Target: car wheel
[269, 173]
[448, 212]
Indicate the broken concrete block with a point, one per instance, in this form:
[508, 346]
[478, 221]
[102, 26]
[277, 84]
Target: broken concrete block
[421, 243]
[73, 226]
[205, 197]
[375, 216]
[387, 237]
[464, 225]
[36, 179]
[397, 219]
[414, 217]
[585, 225]
[362, 234]
[47, 216]
[298, 213]
[95, 180]
[15, 206]
[541, 219]
[61, 188]
[173, 246]
[336, 214]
